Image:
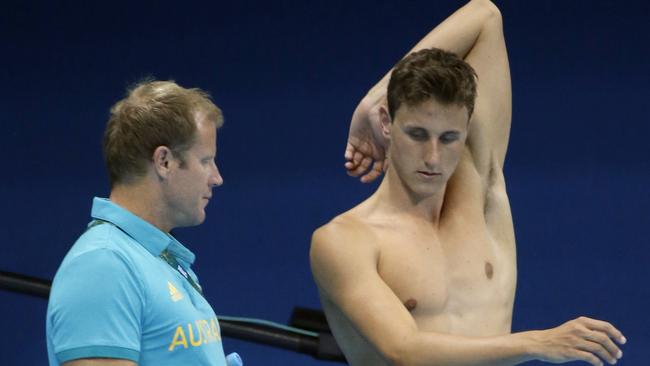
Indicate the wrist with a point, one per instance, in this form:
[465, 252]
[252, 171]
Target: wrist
[529, 344]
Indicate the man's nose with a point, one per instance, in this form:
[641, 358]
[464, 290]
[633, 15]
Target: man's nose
[216, 179]
[432, 153]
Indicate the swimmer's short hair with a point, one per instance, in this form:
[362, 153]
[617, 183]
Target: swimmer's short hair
[432, 73]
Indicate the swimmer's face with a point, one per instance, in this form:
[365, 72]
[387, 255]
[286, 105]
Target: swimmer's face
[426, 143]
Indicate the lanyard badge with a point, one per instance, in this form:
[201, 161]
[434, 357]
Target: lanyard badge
[169, 258]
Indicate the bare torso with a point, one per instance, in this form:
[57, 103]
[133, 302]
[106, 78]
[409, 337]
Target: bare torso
[457, 277]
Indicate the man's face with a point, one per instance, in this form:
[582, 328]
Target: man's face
[188, 188]
[427, 141]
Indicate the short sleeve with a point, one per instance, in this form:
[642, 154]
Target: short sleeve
[96, 308]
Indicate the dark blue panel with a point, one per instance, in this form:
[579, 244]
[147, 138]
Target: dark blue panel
[288, 75]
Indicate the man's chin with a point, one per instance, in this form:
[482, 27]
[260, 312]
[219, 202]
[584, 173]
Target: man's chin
[200, 219]
[192, 221]
[426, 190]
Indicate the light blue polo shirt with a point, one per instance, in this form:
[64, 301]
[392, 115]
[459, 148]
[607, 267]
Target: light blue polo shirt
[114, 297]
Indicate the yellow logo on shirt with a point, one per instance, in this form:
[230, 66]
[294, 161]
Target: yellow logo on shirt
[203, 332]
[174, 293]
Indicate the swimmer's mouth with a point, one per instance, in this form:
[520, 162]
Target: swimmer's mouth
[429, 174]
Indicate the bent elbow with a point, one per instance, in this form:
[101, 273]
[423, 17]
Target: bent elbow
[400, 362]
[495, 13]
[403, 360]
[397, 359]
[404, 353]
[490, 10]
[413, 351]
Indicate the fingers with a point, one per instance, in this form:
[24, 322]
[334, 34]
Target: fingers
[349, 152]
[585, 339]
[374, 173]
[355, 160]
[607, 350]
[359, 170]
[604, 327]
[354, 151]
[599, 336]
[355, 170]
[363, 166]
[588, 357]
[359, 161]
[599, 350]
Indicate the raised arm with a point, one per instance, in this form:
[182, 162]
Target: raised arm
[347, 277]
[475, 33]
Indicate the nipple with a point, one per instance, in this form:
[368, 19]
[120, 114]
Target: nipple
[489, 270]
[410, 304]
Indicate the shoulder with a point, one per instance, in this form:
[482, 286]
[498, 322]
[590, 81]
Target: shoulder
[88, 267]
[92, 279]
[341, 225]
[342, 246]
[102, 236]
[100, 252]
[348, 229]
[105, 240]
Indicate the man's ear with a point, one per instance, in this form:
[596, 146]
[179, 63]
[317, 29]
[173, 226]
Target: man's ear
[162, 159]
[384, 119]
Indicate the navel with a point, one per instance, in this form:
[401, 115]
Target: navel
[410, 304]
[489, 270]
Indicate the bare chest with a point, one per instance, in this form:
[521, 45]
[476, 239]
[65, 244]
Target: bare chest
[448, 280]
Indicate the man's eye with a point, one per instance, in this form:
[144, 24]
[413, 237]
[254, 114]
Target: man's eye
[448, 138]
[418, 135]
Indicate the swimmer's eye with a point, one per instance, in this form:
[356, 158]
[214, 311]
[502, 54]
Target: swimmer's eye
[449, 137]
[418, 134]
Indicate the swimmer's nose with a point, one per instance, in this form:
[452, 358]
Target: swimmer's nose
[432, 153]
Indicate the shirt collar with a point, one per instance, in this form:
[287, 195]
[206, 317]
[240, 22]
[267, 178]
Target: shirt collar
[147, 235]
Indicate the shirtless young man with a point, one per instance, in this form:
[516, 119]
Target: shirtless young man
[424, 271]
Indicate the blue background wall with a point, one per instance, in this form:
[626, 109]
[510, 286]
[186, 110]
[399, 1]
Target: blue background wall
[288, 76]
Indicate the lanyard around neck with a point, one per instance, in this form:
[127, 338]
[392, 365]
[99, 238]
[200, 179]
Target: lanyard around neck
[171, 260]
[165, 255]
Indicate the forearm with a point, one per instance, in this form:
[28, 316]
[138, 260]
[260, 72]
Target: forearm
[433, 349]
[458, 33]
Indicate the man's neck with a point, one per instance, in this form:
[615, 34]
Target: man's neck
[394, 197]
[141, 200]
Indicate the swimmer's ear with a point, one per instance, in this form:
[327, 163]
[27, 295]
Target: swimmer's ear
[384, 119]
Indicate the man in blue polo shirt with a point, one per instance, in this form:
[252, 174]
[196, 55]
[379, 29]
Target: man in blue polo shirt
[125, 293]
